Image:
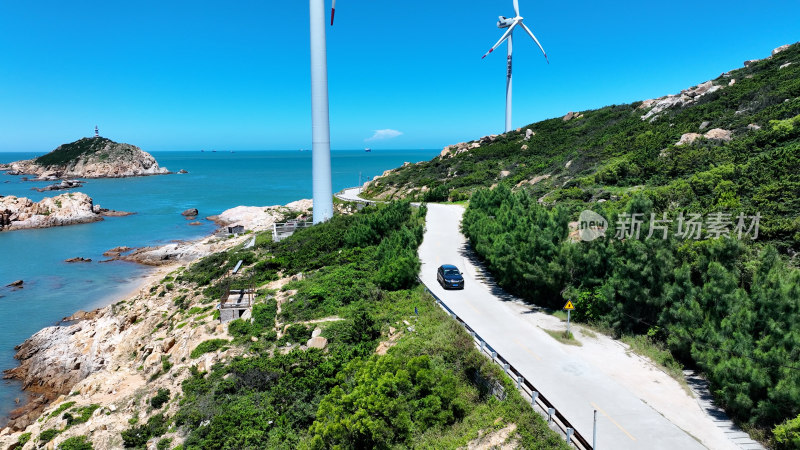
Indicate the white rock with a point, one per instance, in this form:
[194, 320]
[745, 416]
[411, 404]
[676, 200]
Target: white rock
[317, 342]
[779, 49]
[528, 134]
[688, 138]
[719, 134]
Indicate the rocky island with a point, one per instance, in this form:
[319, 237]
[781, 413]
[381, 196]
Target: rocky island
[96, 157]
[19, 213]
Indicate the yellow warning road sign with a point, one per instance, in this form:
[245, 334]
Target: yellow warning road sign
[569, 306]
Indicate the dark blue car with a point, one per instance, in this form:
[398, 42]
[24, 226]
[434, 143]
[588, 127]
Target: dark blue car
[450, 277]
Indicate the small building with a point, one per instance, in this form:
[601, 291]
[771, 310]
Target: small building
[235, 229]
[236, 304]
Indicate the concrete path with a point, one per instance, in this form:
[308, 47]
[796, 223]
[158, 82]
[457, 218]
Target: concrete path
[638, 405]
[351, 195]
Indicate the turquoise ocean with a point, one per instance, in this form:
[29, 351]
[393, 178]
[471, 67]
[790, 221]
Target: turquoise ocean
[216, 181]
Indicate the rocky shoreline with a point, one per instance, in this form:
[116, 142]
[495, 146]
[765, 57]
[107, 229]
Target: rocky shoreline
[112, 357]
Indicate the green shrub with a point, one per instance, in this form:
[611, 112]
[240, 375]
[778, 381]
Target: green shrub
[180, 302]
[403, 394]
[239, 328]
[787, 434]
[264, 315]
[24, 438]
[163, 444]
[297, 333]
[137, 436]
[76, 443]
[48, 435]
[160, 398]
[61, 408]
[165, 363]
[80, 415]
[210, 345]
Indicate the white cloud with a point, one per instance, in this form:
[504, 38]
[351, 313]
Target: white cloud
[384, 134]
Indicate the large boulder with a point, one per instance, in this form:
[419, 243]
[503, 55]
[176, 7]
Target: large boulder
[529, 134]
[317, 342]
[688, 138]
[719, 134]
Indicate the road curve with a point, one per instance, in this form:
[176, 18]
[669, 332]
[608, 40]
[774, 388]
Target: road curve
[575, 385]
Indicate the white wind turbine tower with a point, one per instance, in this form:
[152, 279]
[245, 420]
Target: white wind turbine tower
[512, 23]
[320, 120]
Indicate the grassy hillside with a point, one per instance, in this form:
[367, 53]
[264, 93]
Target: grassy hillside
[726, 304]
[425, 389]
[71, 152]
[610, 153]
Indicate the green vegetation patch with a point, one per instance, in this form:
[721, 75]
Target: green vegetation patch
[787, 434]
[61, 408]
[725, 305]
[68, 153]
[48, 435]
[160, 398]
[422, 393]
[564, 337]
[24, 438]
[210, 345]
[79, 415]
[137, 436]
[76, 443]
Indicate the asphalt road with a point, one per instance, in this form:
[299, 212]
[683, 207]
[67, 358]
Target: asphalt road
[573, 384]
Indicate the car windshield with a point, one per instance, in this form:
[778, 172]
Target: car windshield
[451, 272]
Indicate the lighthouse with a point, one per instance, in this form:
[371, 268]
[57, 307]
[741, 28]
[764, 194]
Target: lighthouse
[96, 132]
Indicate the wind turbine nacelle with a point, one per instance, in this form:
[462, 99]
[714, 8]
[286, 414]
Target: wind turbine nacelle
[504, 22]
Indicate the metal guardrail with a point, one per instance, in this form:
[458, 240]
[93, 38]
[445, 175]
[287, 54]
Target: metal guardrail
[525, 386]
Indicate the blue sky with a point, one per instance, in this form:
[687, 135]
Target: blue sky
[190, 75]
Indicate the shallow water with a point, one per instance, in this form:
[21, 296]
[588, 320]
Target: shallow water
[216, 181]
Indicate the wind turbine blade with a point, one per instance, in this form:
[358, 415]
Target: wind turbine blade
[516, 7]
[505, 36]
[333, 11]
[537, 42]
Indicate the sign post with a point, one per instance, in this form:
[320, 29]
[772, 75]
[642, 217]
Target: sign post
[569, 307]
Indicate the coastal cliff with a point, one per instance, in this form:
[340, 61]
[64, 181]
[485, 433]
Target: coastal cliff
[96, 157]
[17, 213]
